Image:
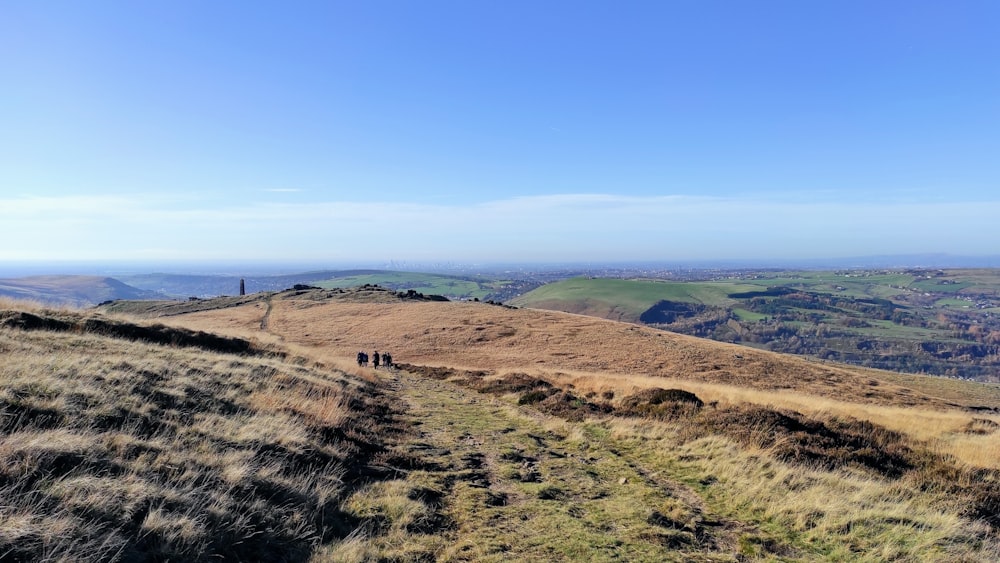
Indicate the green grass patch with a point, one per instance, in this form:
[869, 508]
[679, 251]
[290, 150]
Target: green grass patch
[749, 316]
[935, 285]
[952, 302]
[889, 329]
[633, 296]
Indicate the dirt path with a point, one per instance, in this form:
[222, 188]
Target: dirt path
[499, 482]
[267, 315]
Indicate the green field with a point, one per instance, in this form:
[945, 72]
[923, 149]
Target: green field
[749, 316]
[952, 302]
[634, 296]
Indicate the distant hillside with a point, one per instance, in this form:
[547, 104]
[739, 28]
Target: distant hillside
[453, 287]
[201, 285]
[207, 286]
[918, 321]
[79, 291]
[625, 300]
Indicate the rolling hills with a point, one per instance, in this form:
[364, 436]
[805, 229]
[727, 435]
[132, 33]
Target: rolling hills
[83, 291]
[503, 434]
[80, 291]
[917, 321]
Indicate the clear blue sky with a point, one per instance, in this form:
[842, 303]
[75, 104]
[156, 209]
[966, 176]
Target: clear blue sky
[498, 130]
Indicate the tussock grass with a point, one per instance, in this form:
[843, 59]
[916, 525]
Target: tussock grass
[906, 500]
[23, 304]
[782, 459]
[843, 515]
[944, 431]
[117, 449]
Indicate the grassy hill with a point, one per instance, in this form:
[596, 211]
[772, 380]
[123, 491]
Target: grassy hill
[938, 322]
[71, 290]
[503, 434]
[126, 442]
[626, 300]
[587, 429]
[84, 291]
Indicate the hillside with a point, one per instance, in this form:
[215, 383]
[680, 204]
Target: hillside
[80, 291]
[624, 300]
[204, 286]
[479, 336]
[917, 321]
[182, 286]
[503, 434]
[125, 442]
[85, 291]
[864, 429]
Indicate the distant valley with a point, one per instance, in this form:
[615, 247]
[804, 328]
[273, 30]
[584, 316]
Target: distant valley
[940, 322]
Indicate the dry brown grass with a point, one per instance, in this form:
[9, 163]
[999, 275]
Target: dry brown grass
[599, 355]
[845, 515]
[894, 449]
[20, 304]
[831, 443]
[120, 450]
[478, 336]
[945, 431]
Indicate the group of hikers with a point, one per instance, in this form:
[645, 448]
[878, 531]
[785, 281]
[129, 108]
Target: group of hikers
[385, 358]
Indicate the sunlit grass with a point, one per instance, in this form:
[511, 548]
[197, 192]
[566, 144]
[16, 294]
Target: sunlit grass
[120, 448]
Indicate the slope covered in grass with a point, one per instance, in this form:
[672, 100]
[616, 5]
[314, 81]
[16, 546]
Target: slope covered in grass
[536, 435]
[625, 300]
[204, 448]
[601, 355]
[71, 290]
[482, 336]
[920, 321]
[529, 471]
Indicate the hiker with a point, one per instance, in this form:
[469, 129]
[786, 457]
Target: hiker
[375, 359]
[361, 358]
[387, 360]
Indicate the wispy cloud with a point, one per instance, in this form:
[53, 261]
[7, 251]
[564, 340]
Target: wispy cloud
[553, 227]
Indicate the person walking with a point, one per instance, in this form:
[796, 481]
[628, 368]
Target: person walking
[375, 359]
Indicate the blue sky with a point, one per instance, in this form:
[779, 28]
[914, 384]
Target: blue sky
[498, 131]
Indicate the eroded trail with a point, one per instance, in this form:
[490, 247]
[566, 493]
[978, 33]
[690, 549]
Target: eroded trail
[488, 480]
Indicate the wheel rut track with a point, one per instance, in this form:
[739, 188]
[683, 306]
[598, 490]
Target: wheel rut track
[462, 464]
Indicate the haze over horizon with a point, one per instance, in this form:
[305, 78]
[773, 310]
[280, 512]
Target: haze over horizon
[498, 132]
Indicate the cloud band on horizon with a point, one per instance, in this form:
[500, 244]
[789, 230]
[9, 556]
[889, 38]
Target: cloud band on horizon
[564, 227]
